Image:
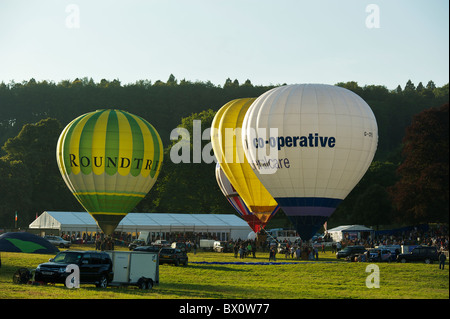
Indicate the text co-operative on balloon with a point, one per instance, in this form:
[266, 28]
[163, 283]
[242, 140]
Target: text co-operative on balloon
[294, 141]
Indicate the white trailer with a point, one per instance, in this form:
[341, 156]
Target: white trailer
[207, 244]
[137, 268]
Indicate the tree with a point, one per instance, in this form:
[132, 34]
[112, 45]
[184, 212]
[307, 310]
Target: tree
[420, 87]
[187, 187]
[165, 105]
[352, 86]
[373, 207]
[422, 193]
[409, 87]
[33, 151]
[171, 80]
[431, 85]
[15, 193]
[368, 203]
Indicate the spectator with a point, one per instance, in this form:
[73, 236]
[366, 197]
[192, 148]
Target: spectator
[442, 259]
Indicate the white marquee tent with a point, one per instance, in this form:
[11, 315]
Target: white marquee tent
[351, 232]
[68, 222]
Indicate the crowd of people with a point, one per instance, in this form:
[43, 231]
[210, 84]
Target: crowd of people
[437, 236]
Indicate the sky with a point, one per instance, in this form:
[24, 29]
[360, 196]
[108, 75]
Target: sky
[270, 42]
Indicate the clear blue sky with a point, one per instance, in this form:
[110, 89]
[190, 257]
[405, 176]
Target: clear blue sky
[266, 41]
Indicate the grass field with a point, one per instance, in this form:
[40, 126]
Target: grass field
[327, 278]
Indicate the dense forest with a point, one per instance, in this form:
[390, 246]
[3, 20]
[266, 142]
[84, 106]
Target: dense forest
[32, 115]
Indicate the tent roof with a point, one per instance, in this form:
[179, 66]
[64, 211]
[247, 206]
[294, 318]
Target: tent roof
[139, 221]
[350, 228]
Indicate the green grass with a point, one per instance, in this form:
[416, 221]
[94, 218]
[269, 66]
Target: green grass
[327, 278]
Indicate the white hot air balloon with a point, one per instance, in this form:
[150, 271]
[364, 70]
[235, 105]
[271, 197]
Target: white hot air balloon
[309, 144]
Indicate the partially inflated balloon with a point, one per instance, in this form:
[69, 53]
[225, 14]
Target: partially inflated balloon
[309, 144]
[226, 141]
[109, 159]
[236, 201]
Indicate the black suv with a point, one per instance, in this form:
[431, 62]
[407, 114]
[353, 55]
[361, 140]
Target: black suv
[95, 268]
[151, 249]
[350, 251]
[172, 256]
[421, 253]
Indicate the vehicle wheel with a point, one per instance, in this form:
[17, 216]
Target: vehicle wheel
[428, 261]
[177, 262]
[21, 276]
[403, 260]
[142, 283]
[103, 283]
[61, 245]
[149, 284]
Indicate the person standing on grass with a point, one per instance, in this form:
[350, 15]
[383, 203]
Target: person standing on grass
[442, 259]
[241, 252]
[272, 254]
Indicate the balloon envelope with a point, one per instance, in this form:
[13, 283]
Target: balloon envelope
[226, 141]
[309, 144]
[22, 242]
[237, 202]
[109, 159]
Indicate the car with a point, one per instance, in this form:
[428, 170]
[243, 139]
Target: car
[349, 251]
[179, 245]
[152, 249]
[282, 248]
[172, 256]
[427, 254]
[161, 243]
[136, 243]
[95, 268]
[58, 241]
[221, 247]
[381, 255]
[394, 249]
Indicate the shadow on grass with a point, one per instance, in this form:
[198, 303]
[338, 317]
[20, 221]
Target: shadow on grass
[198, 290]
[215, 267]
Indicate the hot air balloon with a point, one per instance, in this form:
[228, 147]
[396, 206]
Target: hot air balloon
[236, 201]
[109, 159]
[227, 145]
[326, 139]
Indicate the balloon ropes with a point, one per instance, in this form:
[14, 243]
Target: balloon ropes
[109, 159]
[309, 145]
[226, 141]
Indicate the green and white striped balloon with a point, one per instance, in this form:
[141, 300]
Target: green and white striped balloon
[109, 159]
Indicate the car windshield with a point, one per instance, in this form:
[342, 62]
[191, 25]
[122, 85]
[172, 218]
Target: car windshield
[67, 258]
[167, 251]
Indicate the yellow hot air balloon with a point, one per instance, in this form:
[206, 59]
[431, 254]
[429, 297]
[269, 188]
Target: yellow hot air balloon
[227, 145]
[109, 159]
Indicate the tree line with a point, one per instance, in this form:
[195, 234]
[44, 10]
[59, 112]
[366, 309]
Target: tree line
[33, 114]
